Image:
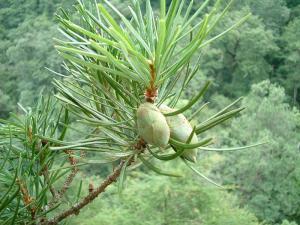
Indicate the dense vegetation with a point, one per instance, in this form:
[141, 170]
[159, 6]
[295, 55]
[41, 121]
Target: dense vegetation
[260, 60]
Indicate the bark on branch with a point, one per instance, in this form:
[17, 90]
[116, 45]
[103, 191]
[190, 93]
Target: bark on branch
[90, 197]
[58, 196]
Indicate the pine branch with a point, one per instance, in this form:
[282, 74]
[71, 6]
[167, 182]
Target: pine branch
[68, 180]
[107, 76]
[27, 199]
[45, 173]
[90, 197]
[71, 176]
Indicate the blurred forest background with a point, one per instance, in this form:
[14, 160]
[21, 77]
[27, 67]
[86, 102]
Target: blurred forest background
[260, 61]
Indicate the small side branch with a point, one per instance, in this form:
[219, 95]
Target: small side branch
[71, 176]
[151, 92]
[90, 197]
[27, 199]
[68, 180]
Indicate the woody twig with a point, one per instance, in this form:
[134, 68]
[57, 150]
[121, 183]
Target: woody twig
[27, 199]
[91, 196]
[68, 180]
[151, 92]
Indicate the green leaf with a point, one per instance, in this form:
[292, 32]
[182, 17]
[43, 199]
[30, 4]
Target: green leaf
[198, 111]
[179, 151]
[195, 15]
[191, 102]
[79, 191]
[160, 43]
[241, 21]
[155, 169]
[116, 29]
[16, 211]
[8, 199]
[5, 200]
[232, 149]
[218, 120]
[121, 178]
[134, 32]
[189, 146]
[167, 157]
[200, 174]
[162, 9]
[223, 110]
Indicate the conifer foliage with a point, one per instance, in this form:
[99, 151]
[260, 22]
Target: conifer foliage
[114, 65]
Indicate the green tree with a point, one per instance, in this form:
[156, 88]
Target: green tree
[26, 48]
[159, 200]
[5, 105]
[292, 3]
[239, 59]
[288, 74]
[26, 54]
[274, 13]
[267, 178]
[286, 222]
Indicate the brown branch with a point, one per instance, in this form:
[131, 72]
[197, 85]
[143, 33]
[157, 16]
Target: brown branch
[27, 199]
[91, 187]
[152, 74]
[151, 92]
[91, 196]
[68, 180]
[71, 176]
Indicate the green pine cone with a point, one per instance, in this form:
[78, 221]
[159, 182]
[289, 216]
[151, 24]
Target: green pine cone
[181, 129]
[152, 125]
